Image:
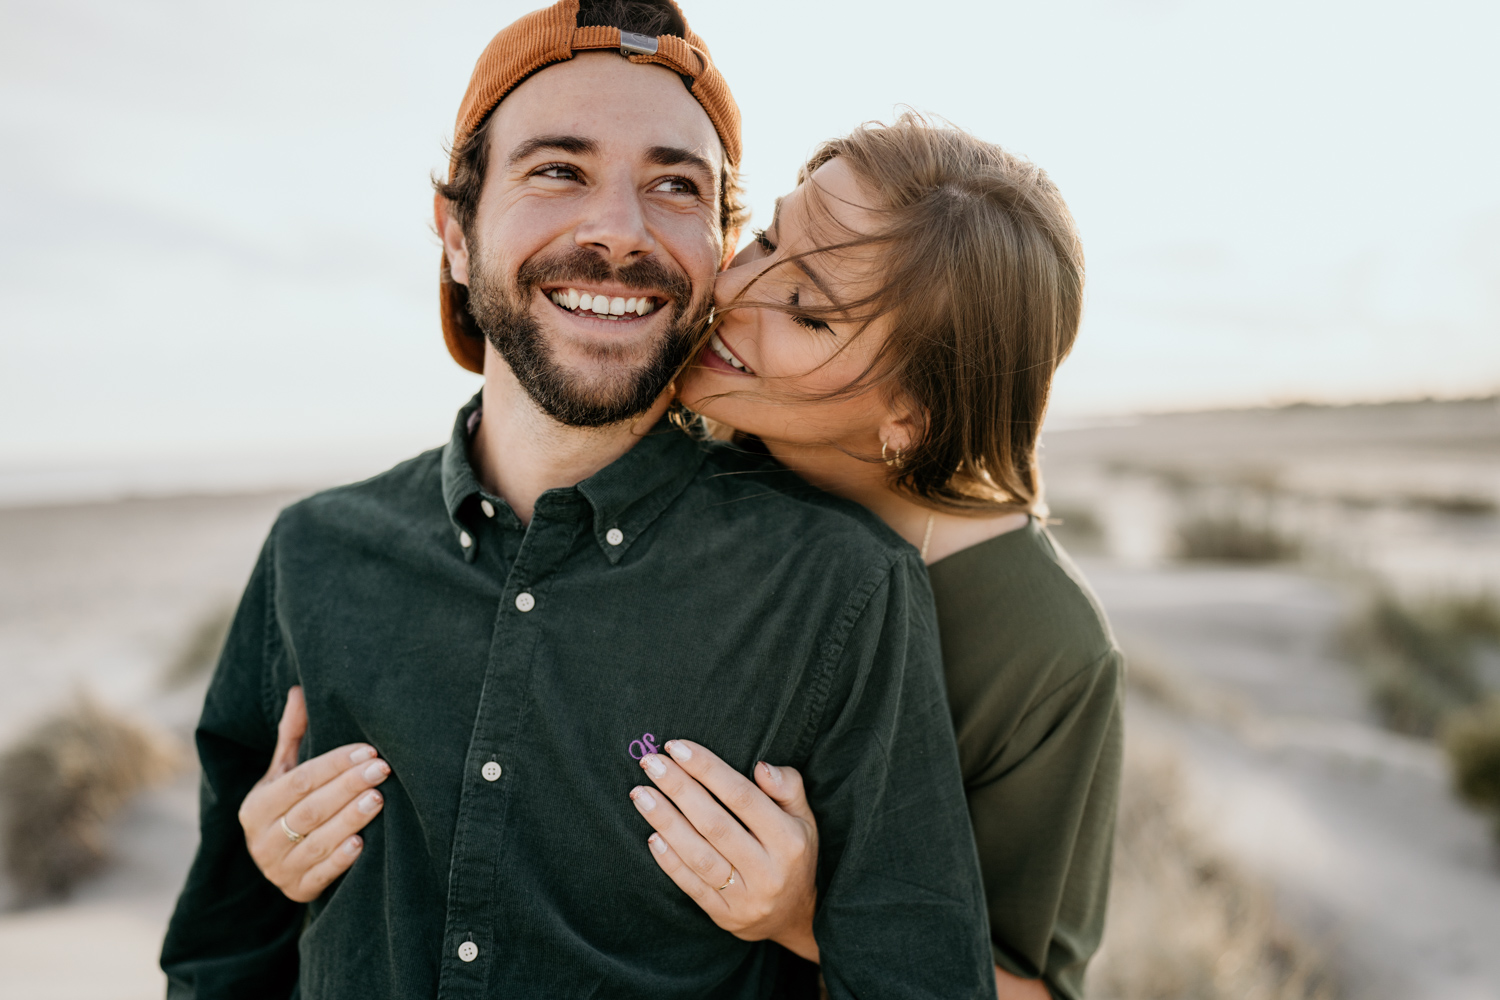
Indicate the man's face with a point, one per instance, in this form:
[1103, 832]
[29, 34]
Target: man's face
[603, 184]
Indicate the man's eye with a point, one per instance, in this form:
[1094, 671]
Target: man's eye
[558, 171]
[676, 185]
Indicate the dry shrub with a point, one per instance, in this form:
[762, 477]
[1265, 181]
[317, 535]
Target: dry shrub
[1077, 528]
[1472, 739]
[200, 650]
[1184, 923]
[1421, 656]
[59, 785]
[1234, 538]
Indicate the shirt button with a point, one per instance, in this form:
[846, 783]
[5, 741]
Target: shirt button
[487, 507]
[468, 951]
[464, 539]
[491, 771]
[614, 536]
[524, 601]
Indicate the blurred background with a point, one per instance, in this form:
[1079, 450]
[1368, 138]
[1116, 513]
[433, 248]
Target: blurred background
[1275, 450]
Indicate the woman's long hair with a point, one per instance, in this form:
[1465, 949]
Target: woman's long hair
[981, 280]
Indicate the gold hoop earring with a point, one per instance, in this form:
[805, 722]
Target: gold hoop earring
[894, 463]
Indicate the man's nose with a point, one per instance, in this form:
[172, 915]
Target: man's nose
[616, 225]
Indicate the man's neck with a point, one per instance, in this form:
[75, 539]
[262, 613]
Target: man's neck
[519, 452]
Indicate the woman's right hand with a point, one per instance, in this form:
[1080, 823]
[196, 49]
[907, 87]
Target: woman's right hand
[327, 800]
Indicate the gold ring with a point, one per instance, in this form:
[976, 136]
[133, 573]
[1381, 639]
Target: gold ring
[726, 885]
[294, 836]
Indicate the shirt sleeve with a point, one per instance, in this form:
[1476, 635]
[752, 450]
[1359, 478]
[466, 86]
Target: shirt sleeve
[901, 909]
[1044, 826]
[233, 933]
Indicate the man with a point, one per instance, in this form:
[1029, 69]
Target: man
[507, 618]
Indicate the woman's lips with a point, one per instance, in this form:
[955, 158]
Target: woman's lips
[719, 352]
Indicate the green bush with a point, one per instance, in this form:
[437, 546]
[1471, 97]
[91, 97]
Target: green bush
[1472, 739]
[1420, 656]
[1233, 538]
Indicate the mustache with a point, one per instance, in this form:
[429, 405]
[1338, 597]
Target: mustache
[582, 266]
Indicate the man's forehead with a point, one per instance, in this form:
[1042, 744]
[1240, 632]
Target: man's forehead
[610, 103]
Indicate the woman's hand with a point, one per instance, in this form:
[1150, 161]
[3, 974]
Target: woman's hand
[767, 840]
[326, 800]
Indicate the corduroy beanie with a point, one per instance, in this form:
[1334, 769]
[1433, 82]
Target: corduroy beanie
[538, 40]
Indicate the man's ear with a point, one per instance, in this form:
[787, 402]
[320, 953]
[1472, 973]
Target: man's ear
[455, 246]
[731, 242]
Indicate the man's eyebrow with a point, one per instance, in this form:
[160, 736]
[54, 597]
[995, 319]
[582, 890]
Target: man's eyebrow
[674, 156]
[576, 145]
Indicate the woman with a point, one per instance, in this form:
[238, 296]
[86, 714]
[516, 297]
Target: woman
[891, 337]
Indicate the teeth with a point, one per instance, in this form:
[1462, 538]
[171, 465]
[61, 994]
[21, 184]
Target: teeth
[724, 352]
[601, 305]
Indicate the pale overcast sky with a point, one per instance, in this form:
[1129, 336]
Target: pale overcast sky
[214, 242]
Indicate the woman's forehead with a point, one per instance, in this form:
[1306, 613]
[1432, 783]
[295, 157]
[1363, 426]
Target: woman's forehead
[828, 208]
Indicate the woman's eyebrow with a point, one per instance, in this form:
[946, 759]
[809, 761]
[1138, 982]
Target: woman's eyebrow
[575, 145]
[801, 262]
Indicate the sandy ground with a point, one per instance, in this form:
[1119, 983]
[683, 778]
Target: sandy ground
[100, 597]
[1370, 855]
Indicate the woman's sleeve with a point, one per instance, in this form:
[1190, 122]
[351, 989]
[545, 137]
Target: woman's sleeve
[1044, 822]
[233, 933]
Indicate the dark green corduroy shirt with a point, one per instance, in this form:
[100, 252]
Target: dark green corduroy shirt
[684, 591]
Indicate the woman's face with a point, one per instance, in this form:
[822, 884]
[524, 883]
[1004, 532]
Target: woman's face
[766, 370]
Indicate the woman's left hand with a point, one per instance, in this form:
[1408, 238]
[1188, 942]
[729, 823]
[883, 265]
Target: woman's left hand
[766, 840]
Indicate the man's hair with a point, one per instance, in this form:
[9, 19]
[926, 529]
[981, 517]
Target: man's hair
[641, 17]
[981, 280]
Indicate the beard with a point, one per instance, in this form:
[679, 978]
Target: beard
[624, 388]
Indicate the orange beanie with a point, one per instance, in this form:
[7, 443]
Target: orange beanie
[540, 39]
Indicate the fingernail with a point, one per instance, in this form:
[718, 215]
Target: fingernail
[653, 765]
[679, 750]
[362, 754]
[774, 773]
[352, 846]
[644, 799]
[377, 770]
[657, 844]
[369, 802]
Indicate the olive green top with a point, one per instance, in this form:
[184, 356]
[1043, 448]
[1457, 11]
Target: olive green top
[1035, 681]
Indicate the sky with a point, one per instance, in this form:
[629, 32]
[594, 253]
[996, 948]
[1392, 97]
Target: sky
[216, 260]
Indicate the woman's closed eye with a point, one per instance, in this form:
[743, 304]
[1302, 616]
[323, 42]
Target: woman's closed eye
[806, 322]
[763, 241]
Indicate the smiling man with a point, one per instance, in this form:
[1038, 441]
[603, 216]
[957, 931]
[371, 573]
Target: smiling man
[515, 620]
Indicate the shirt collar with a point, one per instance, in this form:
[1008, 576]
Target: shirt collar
[626, 496]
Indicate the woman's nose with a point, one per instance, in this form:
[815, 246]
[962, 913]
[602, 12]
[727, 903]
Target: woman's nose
[731, 281]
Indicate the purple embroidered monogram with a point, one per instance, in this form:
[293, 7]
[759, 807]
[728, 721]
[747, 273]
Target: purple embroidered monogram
[641, 747]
